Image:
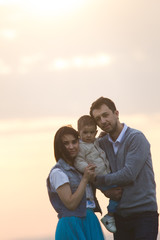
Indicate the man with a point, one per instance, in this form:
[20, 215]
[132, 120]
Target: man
[130, 160]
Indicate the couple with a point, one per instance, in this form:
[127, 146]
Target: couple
[128, 152]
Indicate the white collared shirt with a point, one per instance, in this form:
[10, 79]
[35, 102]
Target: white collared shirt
[119, 139]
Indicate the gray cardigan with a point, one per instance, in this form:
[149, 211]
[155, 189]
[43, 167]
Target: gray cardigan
[132, 169]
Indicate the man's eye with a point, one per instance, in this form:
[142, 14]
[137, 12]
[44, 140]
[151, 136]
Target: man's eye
[105, 114]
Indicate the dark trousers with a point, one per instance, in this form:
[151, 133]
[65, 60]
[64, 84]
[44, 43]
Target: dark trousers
[142, 226]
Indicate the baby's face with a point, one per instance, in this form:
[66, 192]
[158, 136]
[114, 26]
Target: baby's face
[88, 133]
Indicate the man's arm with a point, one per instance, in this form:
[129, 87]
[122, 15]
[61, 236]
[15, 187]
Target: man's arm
[137, 154]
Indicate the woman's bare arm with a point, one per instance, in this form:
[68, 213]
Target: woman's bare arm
[71, 201]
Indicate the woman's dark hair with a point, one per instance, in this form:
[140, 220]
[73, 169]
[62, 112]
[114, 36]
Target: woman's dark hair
[99, 102]
[59, 149]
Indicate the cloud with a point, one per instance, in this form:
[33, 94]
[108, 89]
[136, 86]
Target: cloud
[80, 62]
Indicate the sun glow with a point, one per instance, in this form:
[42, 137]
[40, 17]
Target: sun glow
[46, 7]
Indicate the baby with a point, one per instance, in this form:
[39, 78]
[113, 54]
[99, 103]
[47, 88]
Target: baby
[90, 152]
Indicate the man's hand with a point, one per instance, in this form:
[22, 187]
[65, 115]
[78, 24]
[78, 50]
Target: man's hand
[114, 193]
[102, 134]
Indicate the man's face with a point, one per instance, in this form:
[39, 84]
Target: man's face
[105, 118]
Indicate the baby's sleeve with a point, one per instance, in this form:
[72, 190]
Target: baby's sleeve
[80, 162]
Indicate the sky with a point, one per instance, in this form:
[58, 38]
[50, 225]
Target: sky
[56, 58]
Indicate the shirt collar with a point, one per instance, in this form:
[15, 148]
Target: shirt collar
[121, 135]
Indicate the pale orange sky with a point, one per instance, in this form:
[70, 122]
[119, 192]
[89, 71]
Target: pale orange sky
[26, 158]
[56, 58]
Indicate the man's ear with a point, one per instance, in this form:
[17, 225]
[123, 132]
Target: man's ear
[117, 113]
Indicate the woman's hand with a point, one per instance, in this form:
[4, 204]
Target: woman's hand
[89, 173]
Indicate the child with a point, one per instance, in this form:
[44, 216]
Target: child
[90, 152]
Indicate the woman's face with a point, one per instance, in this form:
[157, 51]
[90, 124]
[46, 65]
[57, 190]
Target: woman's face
[71, 144]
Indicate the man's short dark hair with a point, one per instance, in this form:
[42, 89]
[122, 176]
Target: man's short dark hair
[99, 102]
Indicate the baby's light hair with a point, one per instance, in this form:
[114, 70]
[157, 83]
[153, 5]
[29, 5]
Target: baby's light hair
[86, 120]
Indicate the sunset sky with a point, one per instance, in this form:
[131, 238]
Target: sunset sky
[56, 58]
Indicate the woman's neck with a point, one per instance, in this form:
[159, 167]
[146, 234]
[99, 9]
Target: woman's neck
[69, 161]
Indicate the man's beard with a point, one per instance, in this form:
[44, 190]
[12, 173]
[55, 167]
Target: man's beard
[113, 130]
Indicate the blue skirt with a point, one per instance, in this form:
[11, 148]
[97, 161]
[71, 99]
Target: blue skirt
[76, 228]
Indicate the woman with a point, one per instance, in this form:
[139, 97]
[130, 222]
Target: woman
[66, 189]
